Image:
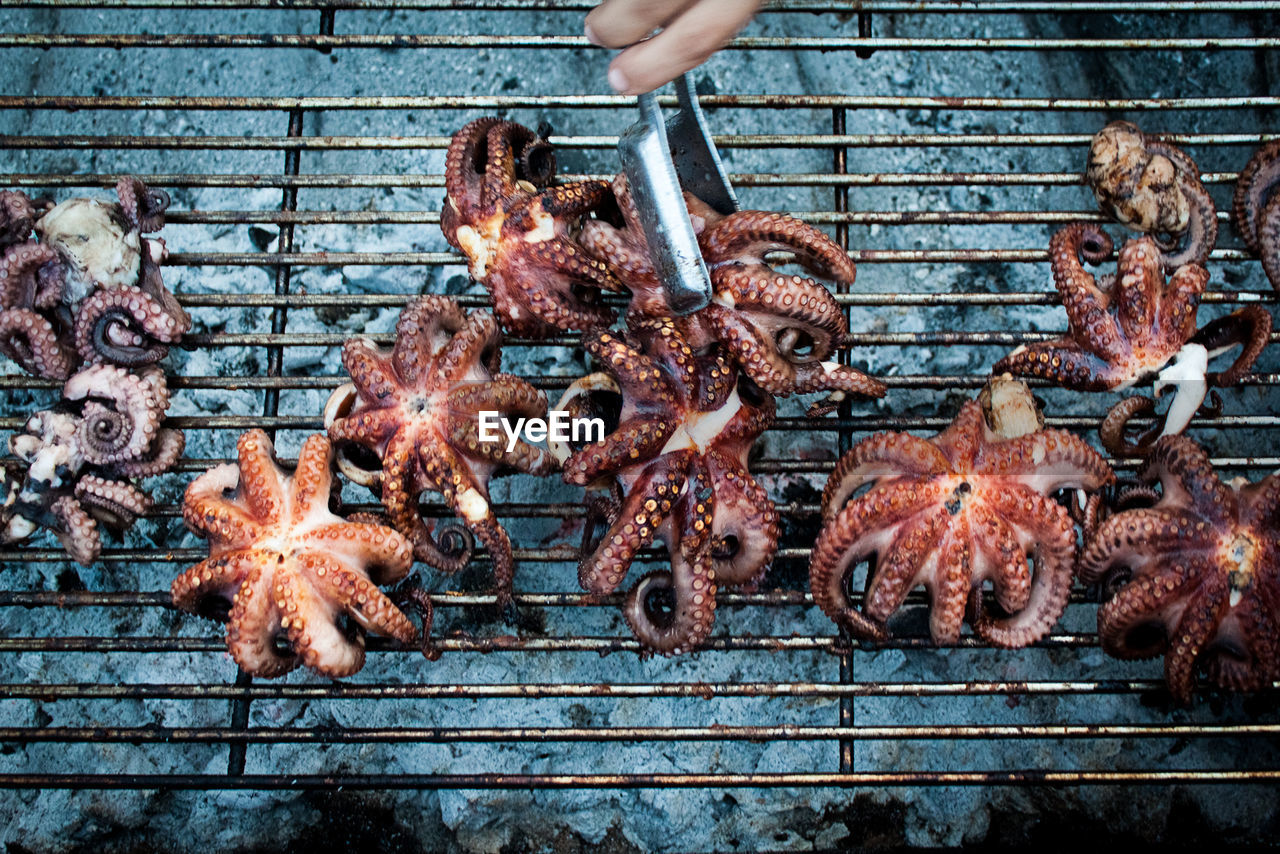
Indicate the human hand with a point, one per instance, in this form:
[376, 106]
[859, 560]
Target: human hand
[692, 30]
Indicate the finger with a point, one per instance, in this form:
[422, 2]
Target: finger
[686, 43]
[618, 23]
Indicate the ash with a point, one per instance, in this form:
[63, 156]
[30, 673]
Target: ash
[618, 819]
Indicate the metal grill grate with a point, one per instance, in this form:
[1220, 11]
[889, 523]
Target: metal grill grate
[69, 680]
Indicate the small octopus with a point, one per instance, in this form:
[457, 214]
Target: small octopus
[1153, 187]
[782, 329]
[519, 232]
[80, 458]
[295, 583]
[418, 409]
[1255, 208]
[678, 458]
[89, 289]
[1196, 576]
[1130, 325]
[968, 506]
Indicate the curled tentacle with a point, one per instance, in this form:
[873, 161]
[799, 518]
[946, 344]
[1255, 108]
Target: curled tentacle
[116, 504]
[1250, 327]
[1115, 430]
[143, 206]
[17, 217]
[124, 326]
[34, 343]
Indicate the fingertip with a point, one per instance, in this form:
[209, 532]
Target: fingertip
[591, 34]
[618, 80]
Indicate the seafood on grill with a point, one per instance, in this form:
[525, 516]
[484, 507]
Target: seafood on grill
[675, 470]
[783, 330]
[295, 583]
[416, 412]
[1153, 187]
[79, 459]
[1128, 326]
[518, 229]
[1195, 576]
[1255, 208]
[88, 289]
[969, 506]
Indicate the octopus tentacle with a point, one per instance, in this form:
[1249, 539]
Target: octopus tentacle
[254, 629]
[1007, 568]
[360, 597]
[124, 326]
[880, 455]
[762, 362]
[313, 478]
[161, 457]
[370, 370]
[1087, 316]
[1114, 428]
[470, 345]
[125, 428]
[400, 499]
[1063, 360]
[469, 499]
[745, 526]
[646, 507]
[17, 217]
[1143, 603]
[1196, 628]
[32, 342]
[840, 380]
[1054, 555]
[24, 280]
[637, 373]
[425, 327]
[464, 166]
[116, 504]
[1250, 327]
[1254, 193]
[636, 438]
[849, 537]
[217, 575]
[143, 206]
[1186, 475]
[682, 623]
[1179, 300]
[1201, 233]
[1046, 461]
[76, 530]
[898, 566]
[750, 235]
[1165, 529]
[206, 510]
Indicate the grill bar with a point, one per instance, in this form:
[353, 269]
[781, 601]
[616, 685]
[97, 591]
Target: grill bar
[461, 735]
[628, 781]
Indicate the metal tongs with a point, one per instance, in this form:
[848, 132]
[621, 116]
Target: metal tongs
[646, 151]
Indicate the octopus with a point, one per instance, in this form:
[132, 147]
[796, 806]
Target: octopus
[294, 582]
[1196, 575]
[1153, 187]
[88, 290]
[418, 409]
[1129, 326]
[970, 506]
[678, 460]
[518, 229]
[80, 459]
[1255, 208]
[782, 330]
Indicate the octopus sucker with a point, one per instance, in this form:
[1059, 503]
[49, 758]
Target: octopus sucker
[1255, 208]
[781, 329]
[414, 412]
[519, 230]
[285, 572]
[677, 460]
[1200, 570]
[1151, 186]
[79, 459]
[951, 513]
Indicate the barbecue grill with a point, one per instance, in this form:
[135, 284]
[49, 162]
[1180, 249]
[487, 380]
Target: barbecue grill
[939, 142]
